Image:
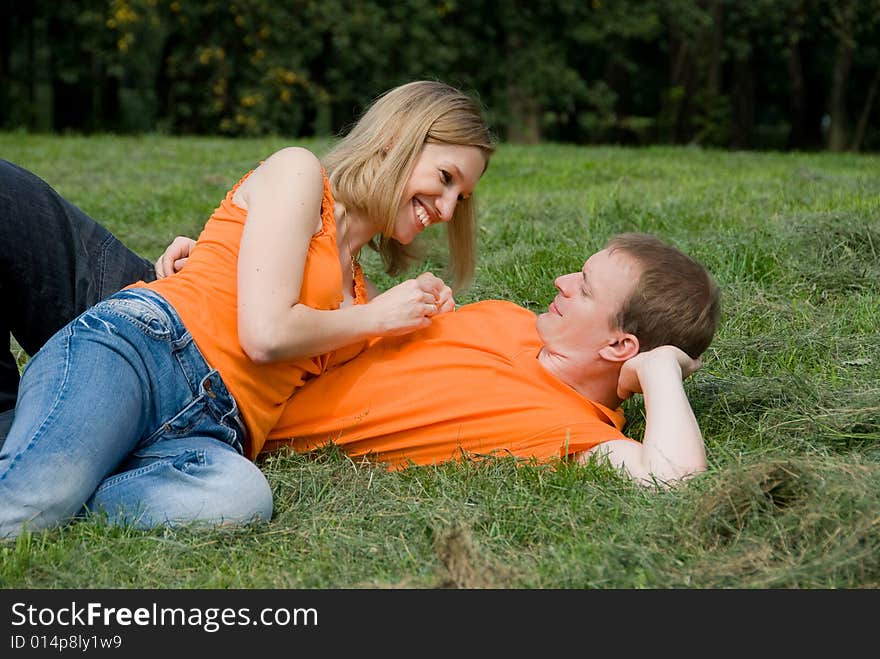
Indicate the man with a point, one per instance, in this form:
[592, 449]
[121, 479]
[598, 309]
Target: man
[488, 378]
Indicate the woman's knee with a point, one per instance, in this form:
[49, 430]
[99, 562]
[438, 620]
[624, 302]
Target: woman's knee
[183, 481]
[245, 489]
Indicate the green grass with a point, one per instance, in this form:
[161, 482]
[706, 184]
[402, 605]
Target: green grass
[788, 397]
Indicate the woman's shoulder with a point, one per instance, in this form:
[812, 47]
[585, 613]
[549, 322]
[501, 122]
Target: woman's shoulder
[292, 170]
[296, 158]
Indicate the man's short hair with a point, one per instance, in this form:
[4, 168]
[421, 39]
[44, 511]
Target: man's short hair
[675, 301]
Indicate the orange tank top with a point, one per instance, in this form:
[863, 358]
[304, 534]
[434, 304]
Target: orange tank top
[205, 295]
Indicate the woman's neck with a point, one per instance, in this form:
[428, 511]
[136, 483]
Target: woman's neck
[351, 229]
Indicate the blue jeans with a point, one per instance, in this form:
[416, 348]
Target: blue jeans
[119, 413]
[55, 262]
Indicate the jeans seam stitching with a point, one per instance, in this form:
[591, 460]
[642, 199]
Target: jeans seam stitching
[42, 427]
[102, 266]
[138, 324]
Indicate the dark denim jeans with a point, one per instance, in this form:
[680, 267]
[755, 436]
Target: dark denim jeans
[55, 262]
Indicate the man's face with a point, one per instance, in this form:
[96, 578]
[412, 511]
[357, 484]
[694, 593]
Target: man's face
[580, 320]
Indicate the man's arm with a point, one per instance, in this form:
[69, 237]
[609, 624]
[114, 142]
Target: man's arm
[672, 448]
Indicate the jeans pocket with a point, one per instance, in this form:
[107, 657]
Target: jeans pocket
[194, 416]
[154, 463]
[197, 419]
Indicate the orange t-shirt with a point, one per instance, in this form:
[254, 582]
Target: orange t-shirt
[205, 295]
[470, 384]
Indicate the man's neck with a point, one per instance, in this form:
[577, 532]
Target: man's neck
[597, 383]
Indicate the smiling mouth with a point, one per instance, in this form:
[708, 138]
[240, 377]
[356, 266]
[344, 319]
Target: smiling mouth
[553, 308]
[421, 214]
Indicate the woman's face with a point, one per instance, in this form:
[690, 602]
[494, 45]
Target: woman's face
[443, 175]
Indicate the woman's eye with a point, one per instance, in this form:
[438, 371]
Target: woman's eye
[445, 176]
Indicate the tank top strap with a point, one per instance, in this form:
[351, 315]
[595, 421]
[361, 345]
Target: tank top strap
[328, 216]
[234, 189]
[328, 228]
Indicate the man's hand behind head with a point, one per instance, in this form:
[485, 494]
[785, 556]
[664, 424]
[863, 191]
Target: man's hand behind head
[636, 372]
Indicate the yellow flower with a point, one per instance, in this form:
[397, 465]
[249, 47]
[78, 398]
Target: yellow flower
[125, 41]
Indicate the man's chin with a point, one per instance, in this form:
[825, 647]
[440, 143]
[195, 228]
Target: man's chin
[539, 324]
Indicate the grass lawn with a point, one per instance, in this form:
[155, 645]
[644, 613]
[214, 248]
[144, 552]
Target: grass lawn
[788, 398]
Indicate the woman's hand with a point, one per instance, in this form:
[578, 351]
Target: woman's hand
[635, 371]
[174, 257]
[411, 304]
[445, 301]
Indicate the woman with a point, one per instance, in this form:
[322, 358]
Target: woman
[146, 405]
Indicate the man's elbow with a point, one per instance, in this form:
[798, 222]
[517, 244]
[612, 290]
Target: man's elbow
[668, 475]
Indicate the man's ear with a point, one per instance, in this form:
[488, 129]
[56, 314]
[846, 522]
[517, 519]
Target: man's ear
[625, 347]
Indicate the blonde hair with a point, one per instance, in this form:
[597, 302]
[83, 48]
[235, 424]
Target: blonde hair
[369, 167]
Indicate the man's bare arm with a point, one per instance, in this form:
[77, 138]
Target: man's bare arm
[672, 448]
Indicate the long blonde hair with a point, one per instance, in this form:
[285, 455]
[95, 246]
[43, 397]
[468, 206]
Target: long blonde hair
[369, 167]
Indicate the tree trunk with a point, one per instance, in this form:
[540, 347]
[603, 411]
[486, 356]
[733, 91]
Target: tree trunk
[5, 72]
[163, 85]
[31, 73]
[677, 106]
[524, 126]
[743, 105]
[866, 112]
[677, 77]
[797, 102]
[716, 47]
[104, 101]
[71, 99]
[840, 75]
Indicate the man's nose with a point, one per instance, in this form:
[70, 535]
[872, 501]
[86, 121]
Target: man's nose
[562, 283]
